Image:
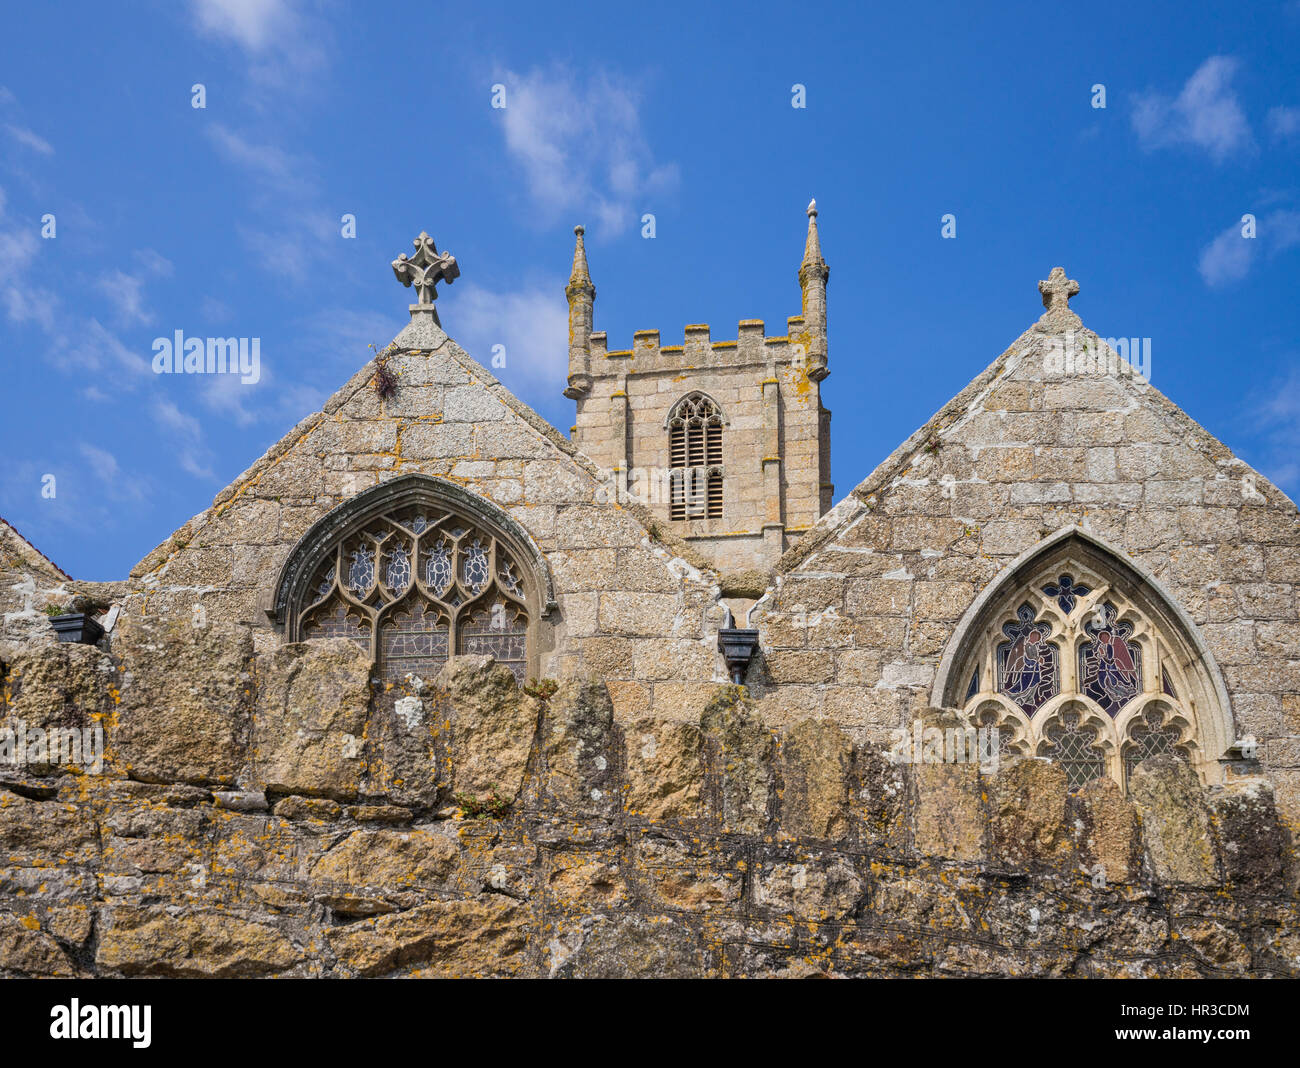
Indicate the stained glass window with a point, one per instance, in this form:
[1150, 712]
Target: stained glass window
[397, 575]
[474, 566]
[1080, 662]
[446, 585]
[413, 642]
[336, 620]
[1110, 665]
[1027, 662]
[437, 567]
[361, 574]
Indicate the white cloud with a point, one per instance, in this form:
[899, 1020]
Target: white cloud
[1205, 114]
[1276, 416]
[287, 197]
[125, 293]
[187, 437]
[29, 139]
[253, 24]
[1284, 123]
[1230, 256]
[107, 471]
[582, 149]
[281, 41]
[532, 324]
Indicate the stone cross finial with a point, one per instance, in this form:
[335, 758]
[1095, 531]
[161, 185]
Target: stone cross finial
[425, 270]
[1058, 290]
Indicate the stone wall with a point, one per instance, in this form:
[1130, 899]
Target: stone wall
[257, 816]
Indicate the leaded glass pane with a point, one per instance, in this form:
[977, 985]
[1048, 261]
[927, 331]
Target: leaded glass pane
[500, 630]
[1149, 736]
[337, 620]
[325, 582]
[1110, 666]
[1073, 744]
[437, 567]
[510, 578]
[1027, 663]
[413, 641]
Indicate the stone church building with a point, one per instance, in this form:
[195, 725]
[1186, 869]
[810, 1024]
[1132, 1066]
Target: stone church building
[434, 689]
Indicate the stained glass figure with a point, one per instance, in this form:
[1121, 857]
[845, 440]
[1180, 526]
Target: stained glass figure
[1027, 663]
[1066, 592]
[1109, 664]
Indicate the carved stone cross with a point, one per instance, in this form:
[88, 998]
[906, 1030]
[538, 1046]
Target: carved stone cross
[1058, 290]
[425, 270]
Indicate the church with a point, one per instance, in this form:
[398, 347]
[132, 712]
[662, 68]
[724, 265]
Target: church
[435, 688]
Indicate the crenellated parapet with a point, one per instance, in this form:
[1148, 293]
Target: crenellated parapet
[774, 473]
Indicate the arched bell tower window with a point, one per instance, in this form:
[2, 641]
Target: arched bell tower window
[1076, 655]
[695, 458]
[413, 572]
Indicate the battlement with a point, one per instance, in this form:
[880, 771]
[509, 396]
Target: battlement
[755, 419]
[752, 345]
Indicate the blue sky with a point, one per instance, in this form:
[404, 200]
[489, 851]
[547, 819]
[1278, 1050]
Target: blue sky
[226, 220]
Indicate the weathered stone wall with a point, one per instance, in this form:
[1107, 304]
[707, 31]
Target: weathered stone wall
[866, 604]
[257, 817]
[28, 582]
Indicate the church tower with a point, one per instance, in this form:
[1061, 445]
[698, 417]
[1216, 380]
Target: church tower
[728, 442]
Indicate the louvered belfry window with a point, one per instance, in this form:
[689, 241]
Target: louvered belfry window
[695, 459]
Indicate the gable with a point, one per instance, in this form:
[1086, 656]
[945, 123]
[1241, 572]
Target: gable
[872, 596]
[452, 420]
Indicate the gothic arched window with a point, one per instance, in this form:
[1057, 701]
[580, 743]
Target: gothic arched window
[413, 572]
[1076, 656]
[695, 458]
